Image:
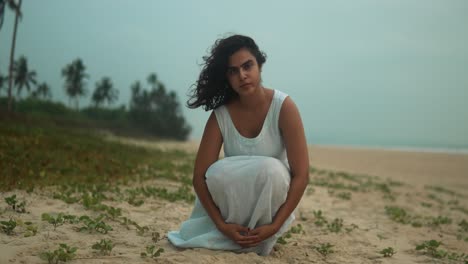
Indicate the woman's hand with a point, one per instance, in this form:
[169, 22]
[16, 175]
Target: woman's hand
[238, 234]
[262, 233]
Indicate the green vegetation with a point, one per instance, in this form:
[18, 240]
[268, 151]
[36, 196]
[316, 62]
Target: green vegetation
[324, 249]
[183, 193]
[319, 218]
[400, 215]
[59, 219]
[435, 198]
[428, 205]
[155, 112]
[79, 160]
[344, 195]
[8, 226]
[13, 203]
[431, 248]
[151, 252]
[336, 225]
[440, 220]
[443, 190]
[347, 183]
[397, 214]
[64, 253]
[55, 221]
[463, 225]
[293, 230]
[94, 225]
[387, 252]
[104, 246]
[30, 228]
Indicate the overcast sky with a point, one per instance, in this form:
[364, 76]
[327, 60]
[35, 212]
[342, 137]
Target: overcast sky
[362, 72]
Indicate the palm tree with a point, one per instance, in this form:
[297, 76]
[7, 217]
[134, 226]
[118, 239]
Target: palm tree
[152, 80]
[104, 92]
[22, 76]
[15, 7]
[3, 80]
[43, 90]
[136, 94]
[75, 76]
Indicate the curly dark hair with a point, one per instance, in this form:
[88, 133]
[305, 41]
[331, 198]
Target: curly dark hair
[212, 88]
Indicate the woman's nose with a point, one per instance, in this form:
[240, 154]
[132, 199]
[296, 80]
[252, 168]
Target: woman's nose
[242, 74]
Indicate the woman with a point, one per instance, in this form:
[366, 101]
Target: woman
[246, 200]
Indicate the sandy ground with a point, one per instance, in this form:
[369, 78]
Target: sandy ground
[366, 230]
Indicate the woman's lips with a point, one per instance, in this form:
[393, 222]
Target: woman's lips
[245, 84]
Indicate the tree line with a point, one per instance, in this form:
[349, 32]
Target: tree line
[156, 111]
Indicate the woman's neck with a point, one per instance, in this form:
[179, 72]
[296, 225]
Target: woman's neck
[255, 100]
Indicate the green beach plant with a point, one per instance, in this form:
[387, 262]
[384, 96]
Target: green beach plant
[336, 225]
[324, 249]
[58, 220]
[397, 214]
[104, 246]
[94, 225]
[15, 205]
[463, 225]
[152, 252]
[440, 220]
[297, 229]
[430, 248]
[344, 195]
[387, 252]
[64, 253]
[8, 226]
[319, 218]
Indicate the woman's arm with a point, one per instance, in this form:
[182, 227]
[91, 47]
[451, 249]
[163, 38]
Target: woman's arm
[208, 153]
[291, 127]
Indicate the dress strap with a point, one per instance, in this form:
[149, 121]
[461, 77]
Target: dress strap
[278, 100]
[222, 117]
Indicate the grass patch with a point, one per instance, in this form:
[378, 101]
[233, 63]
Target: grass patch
[347, 183]
[46, 155]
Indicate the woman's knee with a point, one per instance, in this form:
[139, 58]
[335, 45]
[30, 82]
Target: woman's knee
[275, 171]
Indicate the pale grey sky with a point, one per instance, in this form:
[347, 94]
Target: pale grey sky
[362, 72]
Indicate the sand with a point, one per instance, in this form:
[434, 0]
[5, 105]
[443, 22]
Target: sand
[366, 230]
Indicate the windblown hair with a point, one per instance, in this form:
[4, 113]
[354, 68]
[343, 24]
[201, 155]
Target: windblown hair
[212, 88]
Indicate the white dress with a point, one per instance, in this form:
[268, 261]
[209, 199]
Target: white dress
[248, 185]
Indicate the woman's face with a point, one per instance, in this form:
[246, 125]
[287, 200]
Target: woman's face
[243, 72]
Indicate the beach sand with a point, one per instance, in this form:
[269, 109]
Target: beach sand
[354, 185]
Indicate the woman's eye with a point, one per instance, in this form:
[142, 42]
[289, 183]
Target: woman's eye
[247, 66]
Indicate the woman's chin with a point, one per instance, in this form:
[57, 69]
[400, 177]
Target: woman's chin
[246, 90]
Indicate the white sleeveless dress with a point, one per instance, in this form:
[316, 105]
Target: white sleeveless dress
[248, 185]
